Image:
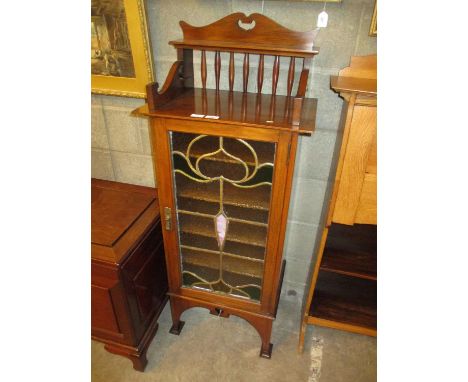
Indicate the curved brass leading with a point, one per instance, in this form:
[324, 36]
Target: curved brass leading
[248, 175]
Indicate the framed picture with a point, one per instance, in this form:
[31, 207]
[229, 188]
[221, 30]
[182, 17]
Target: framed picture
[373, 25]
[317, 1]
[120, 51]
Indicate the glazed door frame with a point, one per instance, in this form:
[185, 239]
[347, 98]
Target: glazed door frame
[160, 128]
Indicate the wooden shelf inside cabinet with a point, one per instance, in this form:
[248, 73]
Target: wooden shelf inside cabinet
[237, 211]
[246, 198]
[231, 263]
[345, 293]
[351, 250]
[224, 161]
[343, 286]
[238, 232]
[346, 301]
[231, 248]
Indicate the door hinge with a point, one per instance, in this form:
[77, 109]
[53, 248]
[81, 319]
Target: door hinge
[168, 218]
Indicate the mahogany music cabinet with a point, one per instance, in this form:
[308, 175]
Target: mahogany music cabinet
[224, 163]
[128, 270]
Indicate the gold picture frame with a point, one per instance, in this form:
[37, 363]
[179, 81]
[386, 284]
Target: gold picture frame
[373, 25]
[121, 61]
[314, 1]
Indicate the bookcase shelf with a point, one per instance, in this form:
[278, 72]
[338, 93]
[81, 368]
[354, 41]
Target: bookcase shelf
[345, 294]
[345, 299]
[351, 251]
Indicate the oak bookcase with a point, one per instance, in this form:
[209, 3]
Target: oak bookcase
[343, 286]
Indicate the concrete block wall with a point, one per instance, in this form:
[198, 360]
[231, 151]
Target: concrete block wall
[120, 143]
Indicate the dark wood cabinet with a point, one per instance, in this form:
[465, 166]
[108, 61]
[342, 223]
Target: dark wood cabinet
[224, 161]
[128, 270]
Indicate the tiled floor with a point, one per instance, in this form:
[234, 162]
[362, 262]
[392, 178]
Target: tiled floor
[217, 349]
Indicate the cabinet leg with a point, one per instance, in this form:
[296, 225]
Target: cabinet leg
[265, 333]
[139, 363]
[300, 347]
[262, 323]
[176, 327]
[139, 360]
[265, 351]
[177, 308]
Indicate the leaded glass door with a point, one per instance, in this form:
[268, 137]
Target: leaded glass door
[222, 190]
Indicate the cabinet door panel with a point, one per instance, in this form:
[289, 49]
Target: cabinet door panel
[103, 316]
[145, 278]
[222, 193]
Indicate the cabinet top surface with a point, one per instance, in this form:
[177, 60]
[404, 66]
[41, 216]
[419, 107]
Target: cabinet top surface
[251, 109]
[115, 207]
[354, 85]
[359, 77]
[232, 46]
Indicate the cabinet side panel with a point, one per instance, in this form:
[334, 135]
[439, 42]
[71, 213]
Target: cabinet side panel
[362, 132]
[367, 209]
[280, 204]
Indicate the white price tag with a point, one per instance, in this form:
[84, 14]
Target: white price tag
[322, 20]
[197, 115]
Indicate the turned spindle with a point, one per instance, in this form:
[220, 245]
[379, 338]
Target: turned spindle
[292, 66]
[261, 63]
[217, 68]
[203, 69]
[231, 71]
[246, 72]
[274, 80]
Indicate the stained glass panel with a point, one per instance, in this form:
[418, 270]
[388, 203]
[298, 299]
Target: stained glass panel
[222, 190]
